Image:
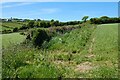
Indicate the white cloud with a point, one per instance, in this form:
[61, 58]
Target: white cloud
[43, 11]
[15, 5]
[36, 12]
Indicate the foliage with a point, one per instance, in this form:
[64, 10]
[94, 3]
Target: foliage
[73, 41]
[30, 24]
[22, 33]
[39, 36]
[24, 62]
[6, 31]
[15, 30]
[104, 20]
[24, 26]
[85, 18]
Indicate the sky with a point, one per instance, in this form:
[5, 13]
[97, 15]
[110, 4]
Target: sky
[62, 11]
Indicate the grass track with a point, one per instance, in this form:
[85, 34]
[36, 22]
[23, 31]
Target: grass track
[104, 50]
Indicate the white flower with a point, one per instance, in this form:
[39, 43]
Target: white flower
[60, 39]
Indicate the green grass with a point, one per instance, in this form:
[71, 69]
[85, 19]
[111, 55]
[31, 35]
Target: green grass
[106, 48]
[105, 51]
[11, 25]
[12, 38]
[73, 41]
[83, 53]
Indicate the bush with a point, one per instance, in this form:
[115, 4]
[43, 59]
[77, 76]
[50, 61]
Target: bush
[39, 36]
[23, 27]
[15, 29]
[6, 31]
[22, 33]
[30, 24]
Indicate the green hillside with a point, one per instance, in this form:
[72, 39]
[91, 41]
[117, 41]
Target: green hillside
[11, 25]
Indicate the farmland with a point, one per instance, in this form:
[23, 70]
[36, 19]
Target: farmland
[12, 38]
[11, 25]
[87, 52]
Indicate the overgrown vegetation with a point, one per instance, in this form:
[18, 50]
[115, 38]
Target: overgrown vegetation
[61, 51]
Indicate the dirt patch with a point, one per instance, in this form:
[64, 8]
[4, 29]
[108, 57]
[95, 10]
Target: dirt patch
[109, 63]
[64, 64]
[59, 62]
[84, 67]
[90, 56]
[91, 45]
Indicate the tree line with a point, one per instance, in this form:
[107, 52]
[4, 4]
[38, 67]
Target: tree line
[104, 20]
[47, 24]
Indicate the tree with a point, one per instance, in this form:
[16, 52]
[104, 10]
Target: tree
[85, 18]
[38, 20]
[47, 25]
[42, 24]
[31, 24]
[36, 24]
[52, 22]
[103, 17]
[56, 23]
[104, 20]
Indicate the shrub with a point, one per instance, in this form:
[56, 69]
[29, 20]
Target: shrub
[23, 27]
[6, 31]
[39, 37]
[15, 29]
[22, 33]
[31, 24]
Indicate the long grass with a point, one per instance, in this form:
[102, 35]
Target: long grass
[82, 53]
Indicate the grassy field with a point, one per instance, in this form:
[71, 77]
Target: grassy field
[12, 38]
[82, 53]
[103, 51]
[11, 25]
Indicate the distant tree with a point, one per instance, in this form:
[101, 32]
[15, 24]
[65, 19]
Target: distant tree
[85, 18]
[42, 23]
[36, 24]
[31, 24]
[47, 25]
[104, 20]
[56, 23]
[103, 17]
[38, 20]
[52, 20]
[26, 20]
